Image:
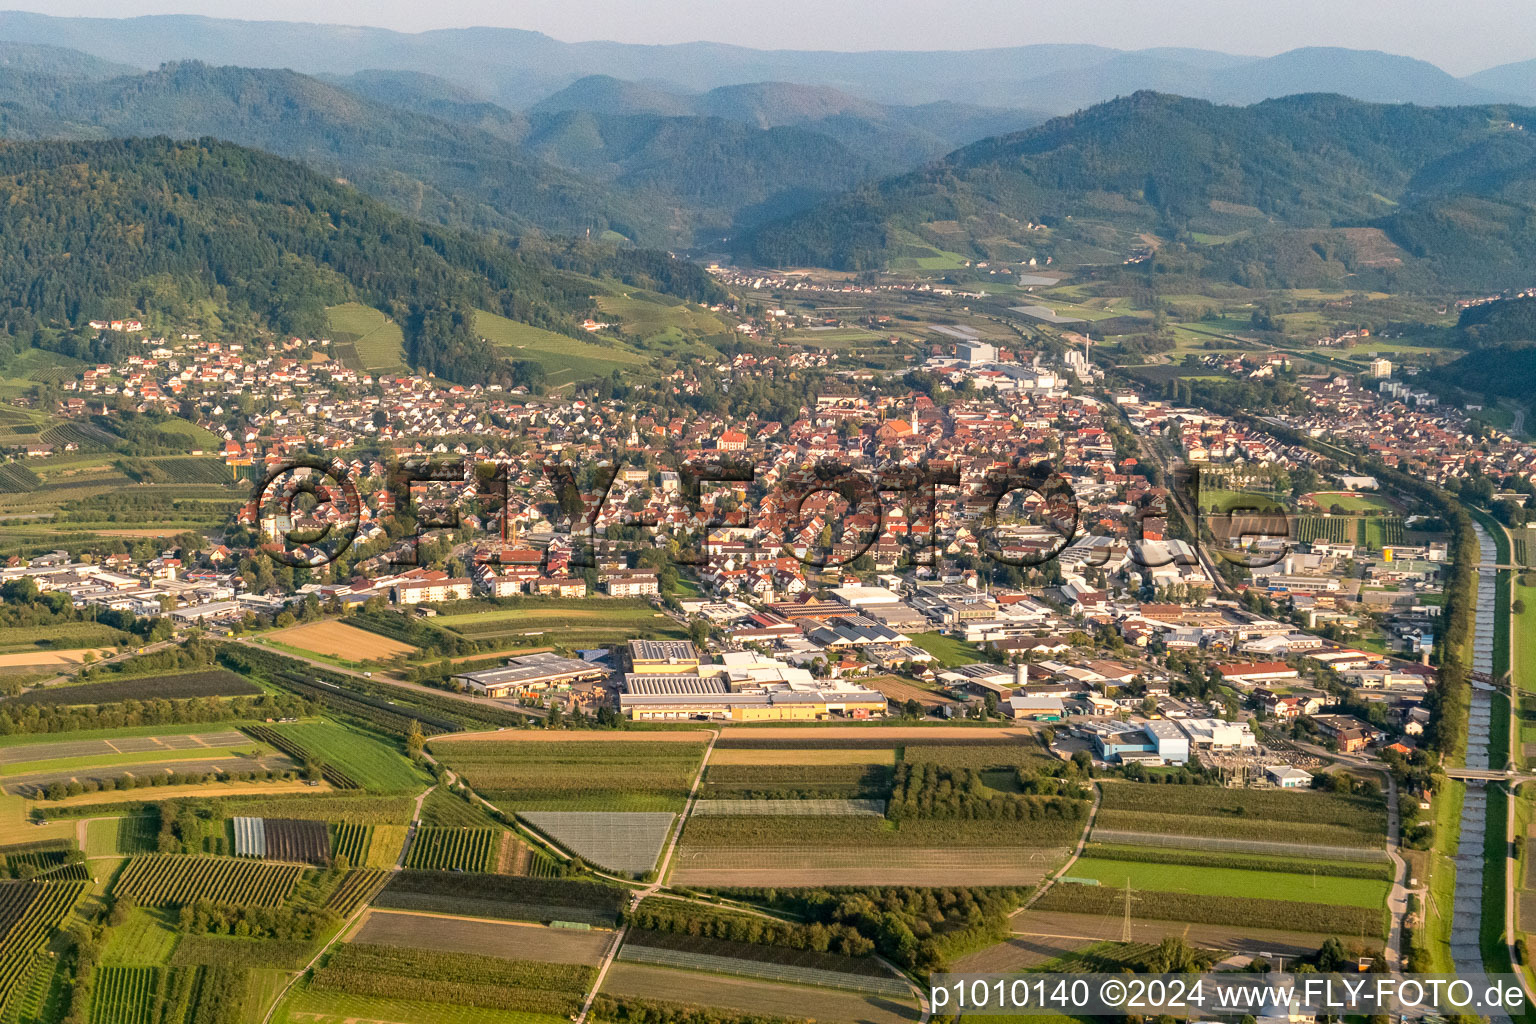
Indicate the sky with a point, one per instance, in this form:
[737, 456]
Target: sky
[1461, 37]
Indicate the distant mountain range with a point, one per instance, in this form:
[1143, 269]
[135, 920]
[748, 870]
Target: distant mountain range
[436, 151]
[518, 68]
[1302, 190]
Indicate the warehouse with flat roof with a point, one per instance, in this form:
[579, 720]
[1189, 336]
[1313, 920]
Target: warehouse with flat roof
[529, 673]
[670, 657]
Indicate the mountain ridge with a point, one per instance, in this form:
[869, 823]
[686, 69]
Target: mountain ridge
[517, 67]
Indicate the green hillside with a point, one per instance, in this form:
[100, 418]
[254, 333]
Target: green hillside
[1448, 188]
[563, 359]
[96, 228]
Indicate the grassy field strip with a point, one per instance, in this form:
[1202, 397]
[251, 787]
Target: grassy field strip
[147, 758]
[771, 756]
[1281, 885]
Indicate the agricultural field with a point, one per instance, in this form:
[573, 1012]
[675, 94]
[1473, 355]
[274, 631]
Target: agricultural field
[121, 837]
[63, 638]
[454, 979]
[147, 937]
[282, 839]
[505, 898]
[308, 1005]
[770, 963]
[748, 995]
[565, 359]
[355, 889]
[125, 995]
[573, 623]
[1384, 531]
[339, 640]
[1298, 887]
[616, 841]
[351, 843]
[1218, 909]
[648, 314]
[819, 851]
[365, 339]
[29, 913]
[454, 849]
[363, 760]
[1337, 529]
[586, 775]
[215, 682]
[159, 881]
[1265, 816]
[513, 941]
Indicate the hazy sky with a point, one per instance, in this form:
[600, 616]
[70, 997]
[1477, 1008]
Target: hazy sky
[1461, 37]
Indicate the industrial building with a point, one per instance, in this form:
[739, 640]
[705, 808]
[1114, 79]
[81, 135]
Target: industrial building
[668, 657]
[747, 688]
[530, 673]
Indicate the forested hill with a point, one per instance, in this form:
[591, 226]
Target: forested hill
[1450, 187]
[463, 175]
[97, 229]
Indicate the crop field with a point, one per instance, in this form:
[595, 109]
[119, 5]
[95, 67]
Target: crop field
[291, 839]
[810, 866]
[158, 881]
[147, 938]
[340, 807]
[752, 996]
[1055, 929]
[503, 897]
[454, 849]
[613, 621]
[1221, 909]
[339, 640]
[51, 659]
[687, 952]
[731, 756]
[1384, 531]
[215, 682]
[1293, 886]
[458, 979]
[236, 952]
[878, 833]
[1338, 529]
[618, 841]
[976, 755]
[308, 1005]
[124, 995]
[61, 638]
[370, 763]
[109, 742]
[806, 808]
[1376, 868]
[29, 913]
[364, 338]
[611, 775]
[355, 889]
[644, 314]
[512, 941]
[351, 842]
[790, 737]
[565, 359]
[1324, 819]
